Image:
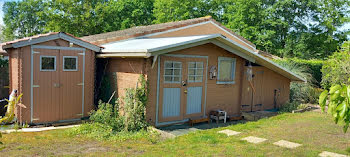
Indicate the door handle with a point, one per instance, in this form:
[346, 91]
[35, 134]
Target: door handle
[185, 91]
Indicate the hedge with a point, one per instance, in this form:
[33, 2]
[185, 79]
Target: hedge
[314, 67]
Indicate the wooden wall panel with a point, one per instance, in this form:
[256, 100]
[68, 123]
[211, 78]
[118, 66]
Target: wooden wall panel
[219, 96]
[20, 74]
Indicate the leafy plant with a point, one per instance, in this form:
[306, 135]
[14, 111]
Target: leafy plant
[106, 121]
[289, 107]
[107, 114]
[312, 67]
[135, 101]
[302, 106]
[338, 104]
[336, 69]
[10, 113]
[302, 92]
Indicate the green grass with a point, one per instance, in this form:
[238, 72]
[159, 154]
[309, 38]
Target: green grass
[315, 131]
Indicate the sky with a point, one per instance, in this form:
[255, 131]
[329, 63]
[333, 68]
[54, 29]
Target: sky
[346, 26]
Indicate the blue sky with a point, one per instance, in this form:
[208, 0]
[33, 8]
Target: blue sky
[346, 26]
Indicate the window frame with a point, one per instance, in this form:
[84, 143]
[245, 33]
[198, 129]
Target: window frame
[45, 56]
[233, 74]
[172, 76]
[76, 63]
[196, 68]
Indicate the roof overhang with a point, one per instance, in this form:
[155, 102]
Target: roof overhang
[53, 36]
[148, 47]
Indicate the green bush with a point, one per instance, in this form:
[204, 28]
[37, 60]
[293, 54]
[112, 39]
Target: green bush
[302, 92]
[336, 69]
[289, 107]
[106, 121]
[107, 114]
[312, 66]
[135, 101]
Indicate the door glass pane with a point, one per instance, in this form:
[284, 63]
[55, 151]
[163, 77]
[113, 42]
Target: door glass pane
[47, 63]
[195, 71]
[199, 79]
[191, 71]
[191, 79]
[199, 64]
[177, 72]
[177, 64]
[172, 72]
[176, 79]
[167, 78]
[191, 64]
[70, 63]
[168, 71]
[168, 64]
[199, 72]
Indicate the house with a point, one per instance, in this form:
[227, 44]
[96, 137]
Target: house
[192, 66]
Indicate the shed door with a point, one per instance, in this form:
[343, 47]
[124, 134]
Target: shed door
[57, 85]
[182, 88]
[252, 99]
[71, 83]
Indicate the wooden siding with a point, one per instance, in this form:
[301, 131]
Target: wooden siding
[20, 74]
[227, 97]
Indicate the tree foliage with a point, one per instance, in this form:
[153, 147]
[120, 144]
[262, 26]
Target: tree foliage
[336, 69]
[339, 104]
[176, 10]
[288, 28]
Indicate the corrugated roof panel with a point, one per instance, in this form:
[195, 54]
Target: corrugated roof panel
[150, 44]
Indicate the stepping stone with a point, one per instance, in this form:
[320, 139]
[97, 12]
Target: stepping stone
[253, 139]
[229, 132]
[330, 154]
[287, 144]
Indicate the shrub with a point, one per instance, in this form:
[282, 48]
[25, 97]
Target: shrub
[107, 114]
[336, 69]
[106, 121]
[312, 67]
[289, 107]
[302, 92]
[135, 106]
[302, 106]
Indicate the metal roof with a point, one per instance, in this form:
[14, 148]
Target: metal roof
[147, 47]
[150, 44]
[155, 28]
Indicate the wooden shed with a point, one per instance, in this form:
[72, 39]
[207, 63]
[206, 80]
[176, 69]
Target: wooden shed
[193, 67]
[55, 74]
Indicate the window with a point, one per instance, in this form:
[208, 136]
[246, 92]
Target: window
[172, 72]
[195, 71]
[70, 63]
[226, 72]
[47, 63]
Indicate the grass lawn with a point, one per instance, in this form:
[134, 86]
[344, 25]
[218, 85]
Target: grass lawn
[315, 131]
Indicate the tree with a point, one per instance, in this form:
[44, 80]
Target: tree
[23, 18]
[336, 69]
[290, 28]
[176, 10]
[78, 17]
